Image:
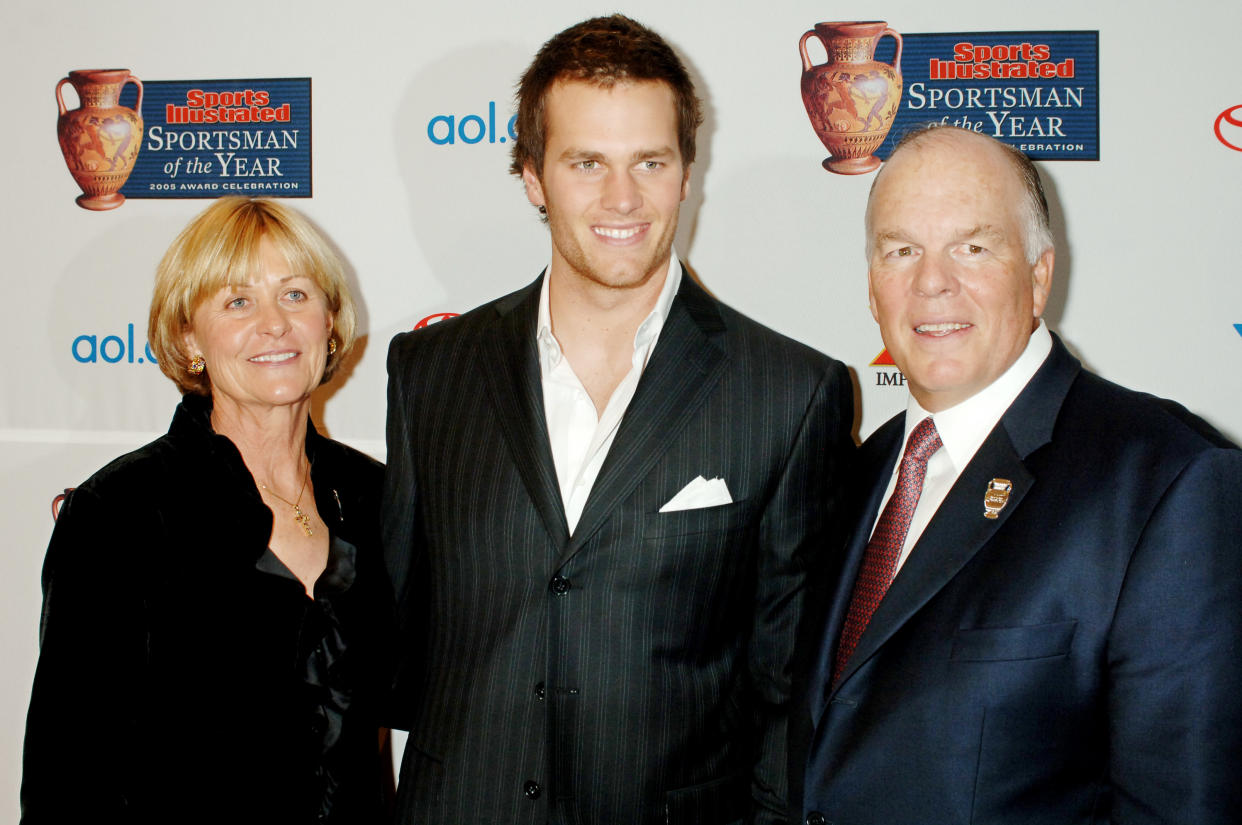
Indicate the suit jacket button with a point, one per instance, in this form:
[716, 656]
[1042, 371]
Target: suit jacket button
[540, 691]
[816, 818]
[559, 585]
[532, 789]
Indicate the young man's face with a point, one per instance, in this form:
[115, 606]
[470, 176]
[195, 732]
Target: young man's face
[612, 182]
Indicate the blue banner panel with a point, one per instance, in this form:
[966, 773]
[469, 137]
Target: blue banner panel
[1038, 91]
[207, 138]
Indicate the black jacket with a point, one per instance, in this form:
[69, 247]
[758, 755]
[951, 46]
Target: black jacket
[635, 671]
[171, 684]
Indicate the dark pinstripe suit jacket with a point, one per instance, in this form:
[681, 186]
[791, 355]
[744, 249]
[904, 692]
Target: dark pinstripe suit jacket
[636, 671]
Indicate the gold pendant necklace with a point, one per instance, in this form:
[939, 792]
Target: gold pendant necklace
[298, 516]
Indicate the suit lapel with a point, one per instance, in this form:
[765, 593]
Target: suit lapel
[687, 362]
[956, 533]
[959, 529]
[885, 448]
[512, 369]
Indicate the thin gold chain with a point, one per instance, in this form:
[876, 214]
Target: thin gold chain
[298, 516]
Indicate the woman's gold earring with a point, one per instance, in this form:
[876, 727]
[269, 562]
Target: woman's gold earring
[197, 365]
[332, 346]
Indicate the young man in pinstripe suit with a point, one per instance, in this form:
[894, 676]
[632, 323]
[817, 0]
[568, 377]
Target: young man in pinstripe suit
[605, 491]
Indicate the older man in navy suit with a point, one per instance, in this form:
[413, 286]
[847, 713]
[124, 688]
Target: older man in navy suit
[1039, 617]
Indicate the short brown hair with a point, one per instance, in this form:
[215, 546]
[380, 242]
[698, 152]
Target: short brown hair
[604, 51]
[221, 247]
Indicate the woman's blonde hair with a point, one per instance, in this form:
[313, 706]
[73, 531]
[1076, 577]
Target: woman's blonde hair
[219, 248]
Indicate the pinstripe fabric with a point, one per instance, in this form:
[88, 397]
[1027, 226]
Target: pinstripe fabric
[648, 690]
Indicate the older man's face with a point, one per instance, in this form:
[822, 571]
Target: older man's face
[949, 283]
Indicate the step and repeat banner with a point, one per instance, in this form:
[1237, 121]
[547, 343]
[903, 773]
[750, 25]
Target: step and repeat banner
[390, 124]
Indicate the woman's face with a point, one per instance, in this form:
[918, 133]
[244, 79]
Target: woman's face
[265, 342]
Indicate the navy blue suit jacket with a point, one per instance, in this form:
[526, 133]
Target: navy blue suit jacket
[1076, 660]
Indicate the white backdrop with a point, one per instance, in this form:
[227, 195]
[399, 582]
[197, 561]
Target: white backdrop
[1147, 277]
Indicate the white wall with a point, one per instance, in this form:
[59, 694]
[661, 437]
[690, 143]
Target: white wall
[1148, 282]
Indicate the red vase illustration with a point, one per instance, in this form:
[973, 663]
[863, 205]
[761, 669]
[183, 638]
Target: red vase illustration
[853, 98]
[100, 139]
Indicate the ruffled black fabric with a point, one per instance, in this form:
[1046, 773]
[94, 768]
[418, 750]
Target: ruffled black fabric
[180, 677]
[324, 665]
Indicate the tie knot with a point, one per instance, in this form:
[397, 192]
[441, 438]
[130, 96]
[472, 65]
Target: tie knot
[923, 441]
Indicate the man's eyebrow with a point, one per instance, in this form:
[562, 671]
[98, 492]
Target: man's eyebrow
[891, 235]
[575, 153]
[982, 230]
[655, 153]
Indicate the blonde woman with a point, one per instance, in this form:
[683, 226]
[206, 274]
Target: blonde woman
[215, 615]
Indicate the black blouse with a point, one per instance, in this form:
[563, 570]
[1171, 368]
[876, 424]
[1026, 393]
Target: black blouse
[322, 648]
[184, 675]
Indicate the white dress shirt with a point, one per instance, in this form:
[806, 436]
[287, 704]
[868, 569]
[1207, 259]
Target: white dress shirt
[963, 428]
[580, 437]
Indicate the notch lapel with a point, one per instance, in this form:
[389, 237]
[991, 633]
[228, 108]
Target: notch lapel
[511, 364]
[686, 364]
[955, 534]
[959, 530]
[875, 481]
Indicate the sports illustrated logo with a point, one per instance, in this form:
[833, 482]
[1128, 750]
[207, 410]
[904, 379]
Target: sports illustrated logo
[447, 130]
[1037, 91]
[111, 349]
[208, 138]
[435, 319]
[1229, 127]
[887, 379]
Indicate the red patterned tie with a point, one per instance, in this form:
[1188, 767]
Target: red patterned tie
[880, 558]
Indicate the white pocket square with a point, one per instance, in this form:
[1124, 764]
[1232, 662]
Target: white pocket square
[698, 494]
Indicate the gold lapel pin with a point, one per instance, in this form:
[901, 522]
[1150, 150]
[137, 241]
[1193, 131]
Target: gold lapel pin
[996, 497]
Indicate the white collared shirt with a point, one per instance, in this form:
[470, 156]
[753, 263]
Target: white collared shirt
[963, 428]
[580, 437]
